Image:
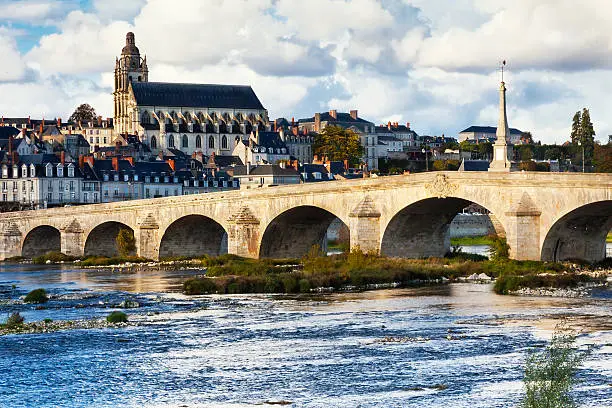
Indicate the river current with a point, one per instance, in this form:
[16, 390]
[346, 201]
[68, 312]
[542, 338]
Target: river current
[458, 345]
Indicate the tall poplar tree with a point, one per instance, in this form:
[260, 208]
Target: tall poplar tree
[576, 128]
[587, 134]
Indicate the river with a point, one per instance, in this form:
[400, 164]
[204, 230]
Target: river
[316, 351]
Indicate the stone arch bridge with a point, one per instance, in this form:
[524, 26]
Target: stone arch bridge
[544, 216]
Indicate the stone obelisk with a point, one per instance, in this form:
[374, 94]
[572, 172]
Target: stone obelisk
[500, 161]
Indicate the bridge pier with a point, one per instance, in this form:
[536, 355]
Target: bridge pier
[147, 238]
[72, 239]
[10, 241]
[243, 234]
[523, 230]
[364, 227]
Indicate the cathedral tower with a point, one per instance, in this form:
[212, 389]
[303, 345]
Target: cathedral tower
[130, 67]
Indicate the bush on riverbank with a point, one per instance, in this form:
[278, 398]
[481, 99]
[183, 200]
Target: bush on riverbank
[506, 284]
[14, 321]
[36, 296]
[53, 257]
[117, 317]
[106, 261]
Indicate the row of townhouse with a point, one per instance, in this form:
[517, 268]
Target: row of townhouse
[46, 180]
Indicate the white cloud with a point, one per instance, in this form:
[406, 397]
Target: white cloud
[430, 62]
[28, 10]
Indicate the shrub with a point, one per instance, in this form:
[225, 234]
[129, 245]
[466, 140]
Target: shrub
[53, 257]
[551, 373]
[199, 286]
[36, 296]
[126, 243]
[14, 320]
[47, 320]
[305, 286]
[500, 250]
[117, 317]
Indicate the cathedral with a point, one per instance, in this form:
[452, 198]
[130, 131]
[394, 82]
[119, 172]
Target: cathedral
[187, 117]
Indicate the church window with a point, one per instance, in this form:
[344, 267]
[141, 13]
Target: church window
[153, 142]
[139, 78]
[211, 142]
[224, 142]
[185, 142]
[146, 119]
[198, 142]
[171, 141]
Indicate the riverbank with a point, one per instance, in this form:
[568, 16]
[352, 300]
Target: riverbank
[60, 325]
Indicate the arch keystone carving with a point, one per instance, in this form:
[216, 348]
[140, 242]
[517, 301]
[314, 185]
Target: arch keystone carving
[244, 216]
[365, 209]
[441, 187]
[72, 227]
[149, 222]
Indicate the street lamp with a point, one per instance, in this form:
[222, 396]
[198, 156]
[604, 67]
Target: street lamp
[426, 161]
[580, 144]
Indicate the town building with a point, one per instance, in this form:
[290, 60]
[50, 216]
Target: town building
[262, 148]
[407, 136]
[189, 117]
[365, 129]
[265, 175]
[480, 134]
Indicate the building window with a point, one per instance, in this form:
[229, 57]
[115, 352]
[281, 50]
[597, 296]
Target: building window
[171, 141]
[49, 170]
[61, 197]
[71, 185]
[185, 142]
[49, 197]
[70, 171]
[95, 197]
[153, 142]
[211, 142]
[198, 142]
[60, 171]
[224, 142]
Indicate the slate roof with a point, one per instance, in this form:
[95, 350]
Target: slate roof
[226, 161]
[196, 95]
[270, 139]
[8, 131]
[488, 129]
[388, 139]
[340, 117]
[266, 170]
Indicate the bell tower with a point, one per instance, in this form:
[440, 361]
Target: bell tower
[130, 67]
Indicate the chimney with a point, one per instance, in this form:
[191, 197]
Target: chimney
[41, 130]
[59, 122]
[389, 125]
[130, 159]
[354, 114]
[10, 145]
[292, 122]
[317, 125]
[29, 121]
[89, 159]
[315, 159]
[63, 157]
[81, 162]
[408, 125]
[305, 131]
[295, 130]
[115, 161]
[172, 164]
[296, 165]
[15, 157]
[99, 121]
[346, 165]
[333, 113]
[275, 126]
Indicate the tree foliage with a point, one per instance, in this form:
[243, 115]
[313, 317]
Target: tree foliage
[527, 138]
[338, 144]
[84, 113]
[602, 158]
[583, 133]
[126, 243]
[551, 373]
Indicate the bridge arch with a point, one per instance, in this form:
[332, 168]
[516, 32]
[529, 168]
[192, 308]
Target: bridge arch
[579, 234]
[293, 232]
[422, 229]
[193, 235]
[41, 240]
[102, 239]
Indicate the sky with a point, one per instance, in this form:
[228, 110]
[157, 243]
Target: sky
[433, 63]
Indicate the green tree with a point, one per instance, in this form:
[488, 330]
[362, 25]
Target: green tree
[602, 158]
[587, 134]
[575, 135]
[126, 243]
[84, 113]
[551, 373]
[552, 153]
[527, 138]
[338, 144]
[485, 151]
[525, 153]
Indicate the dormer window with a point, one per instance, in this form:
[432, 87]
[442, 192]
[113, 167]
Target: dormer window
[60, 170]
[317, 175]
[49, 170]
[156, 179]
[4, 171]
[166, 179]
[175, 180]
[70, 170]
[126, 177]
[135, 177]
[24, 171]
[106, 177]
[15, 171]
[147, 179]
[32, 171]
[116, 177]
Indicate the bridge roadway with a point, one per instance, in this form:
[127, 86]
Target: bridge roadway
[548, 216]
